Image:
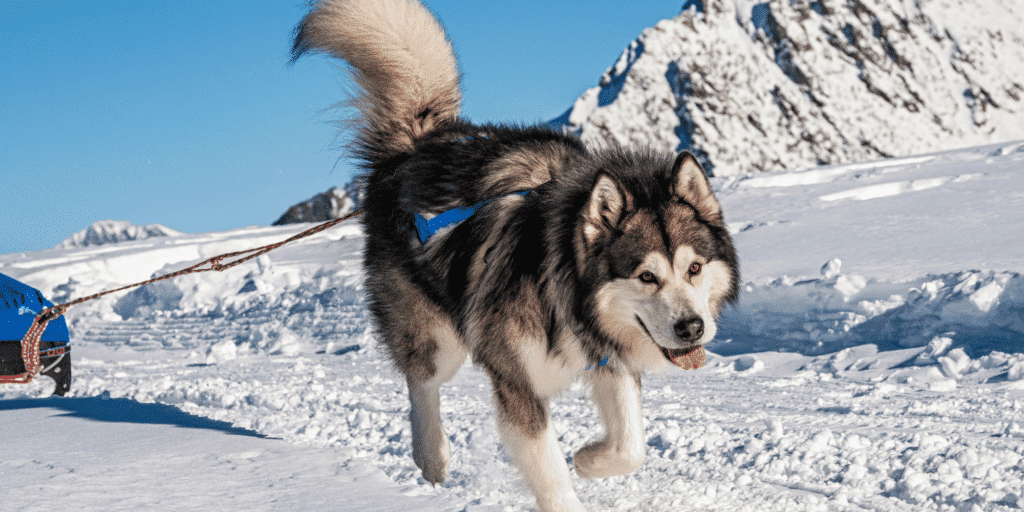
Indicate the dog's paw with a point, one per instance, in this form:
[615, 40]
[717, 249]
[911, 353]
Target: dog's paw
[563, 503]
[599, 460]
[433, 459]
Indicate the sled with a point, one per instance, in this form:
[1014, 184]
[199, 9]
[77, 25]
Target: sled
[19, 305]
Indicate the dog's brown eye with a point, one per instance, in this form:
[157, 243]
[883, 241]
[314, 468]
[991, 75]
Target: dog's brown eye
[648, 277]
[695, 268]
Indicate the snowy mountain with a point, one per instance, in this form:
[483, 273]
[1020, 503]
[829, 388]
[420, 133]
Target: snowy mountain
[766, 85]
[332, 204]
[113, 231]
[875, 361]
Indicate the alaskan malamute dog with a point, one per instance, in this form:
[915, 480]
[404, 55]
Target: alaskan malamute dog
[547, 260]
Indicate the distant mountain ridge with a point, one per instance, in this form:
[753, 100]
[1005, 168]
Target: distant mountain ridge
[332, 204]
[114, 231]
[765, 85]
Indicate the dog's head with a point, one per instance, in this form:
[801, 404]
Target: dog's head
[654, 244]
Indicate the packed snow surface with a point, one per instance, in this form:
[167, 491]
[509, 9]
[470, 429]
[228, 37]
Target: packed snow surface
[875, 361]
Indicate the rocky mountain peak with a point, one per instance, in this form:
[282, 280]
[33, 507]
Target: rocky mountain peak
[782, 84]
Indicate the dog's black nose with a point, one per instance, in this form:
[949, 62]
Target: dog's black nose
[690, 329]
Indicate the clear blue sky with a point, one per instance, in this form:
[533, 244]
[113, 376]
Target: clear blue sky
[187, 114]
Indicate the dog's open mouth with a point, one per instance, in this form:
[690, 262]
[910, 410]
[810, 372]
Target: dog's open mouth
[686, 358]
[690, 358]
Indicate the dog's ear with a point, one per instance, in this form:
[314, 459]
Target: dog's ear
[690, 184]
[607, 205]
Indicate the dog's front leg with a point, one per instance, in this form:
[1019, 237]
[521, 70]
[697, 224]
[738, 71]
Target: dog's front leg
[524, 424]
[617, 394]
[430, 448]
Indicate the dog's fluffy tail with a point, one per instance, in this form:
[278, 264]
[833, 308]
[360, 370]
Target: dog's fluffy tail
[402, 60]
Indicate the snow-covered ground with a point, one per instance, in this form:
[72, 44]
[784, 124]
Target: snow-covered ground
[875, 362]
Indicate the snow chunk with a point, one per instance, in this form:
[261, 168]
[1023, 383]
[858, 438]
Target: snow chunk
[819, 442]
[1014, 430]
[1016, 372]
[287, 344]
[850, 285]
[832, 268]
[873, 308]
[220, 352]
[937, 347]
[748, 363]
[987, 296]
[955, 363]
[942, 386]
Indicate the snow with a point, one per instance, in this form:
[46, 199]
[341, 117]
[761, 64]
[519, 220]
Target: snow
[189, 463]
[875, 361]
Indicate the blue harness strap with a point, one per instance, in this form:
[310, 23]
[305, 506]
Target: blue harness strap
[604, 361]
[426, 228]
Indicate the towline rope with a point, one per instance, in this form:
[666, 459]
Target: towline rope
[30, 343]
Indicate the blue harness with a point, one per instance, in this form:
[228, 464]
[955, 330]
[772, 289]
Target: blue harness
[426, 228]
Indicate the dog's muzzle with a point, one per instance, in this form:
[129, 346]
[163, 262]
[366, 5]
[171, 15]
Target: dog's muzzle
[690, 358]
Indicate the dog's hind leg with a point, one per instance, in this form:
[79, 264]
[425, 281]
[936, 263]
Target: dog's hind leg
[430, 447]
[617, 394]
[423, 345]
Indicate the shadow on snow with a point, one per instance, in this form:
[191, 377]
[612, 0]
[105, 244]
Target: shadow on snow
[121, 410]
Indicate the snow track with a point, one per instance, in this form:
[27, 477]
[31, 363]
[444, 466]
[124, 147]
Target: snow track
[335, 326]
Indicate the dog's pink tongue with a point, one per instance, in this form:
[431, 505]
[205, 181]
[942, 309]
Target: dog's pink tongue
[692, 360]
